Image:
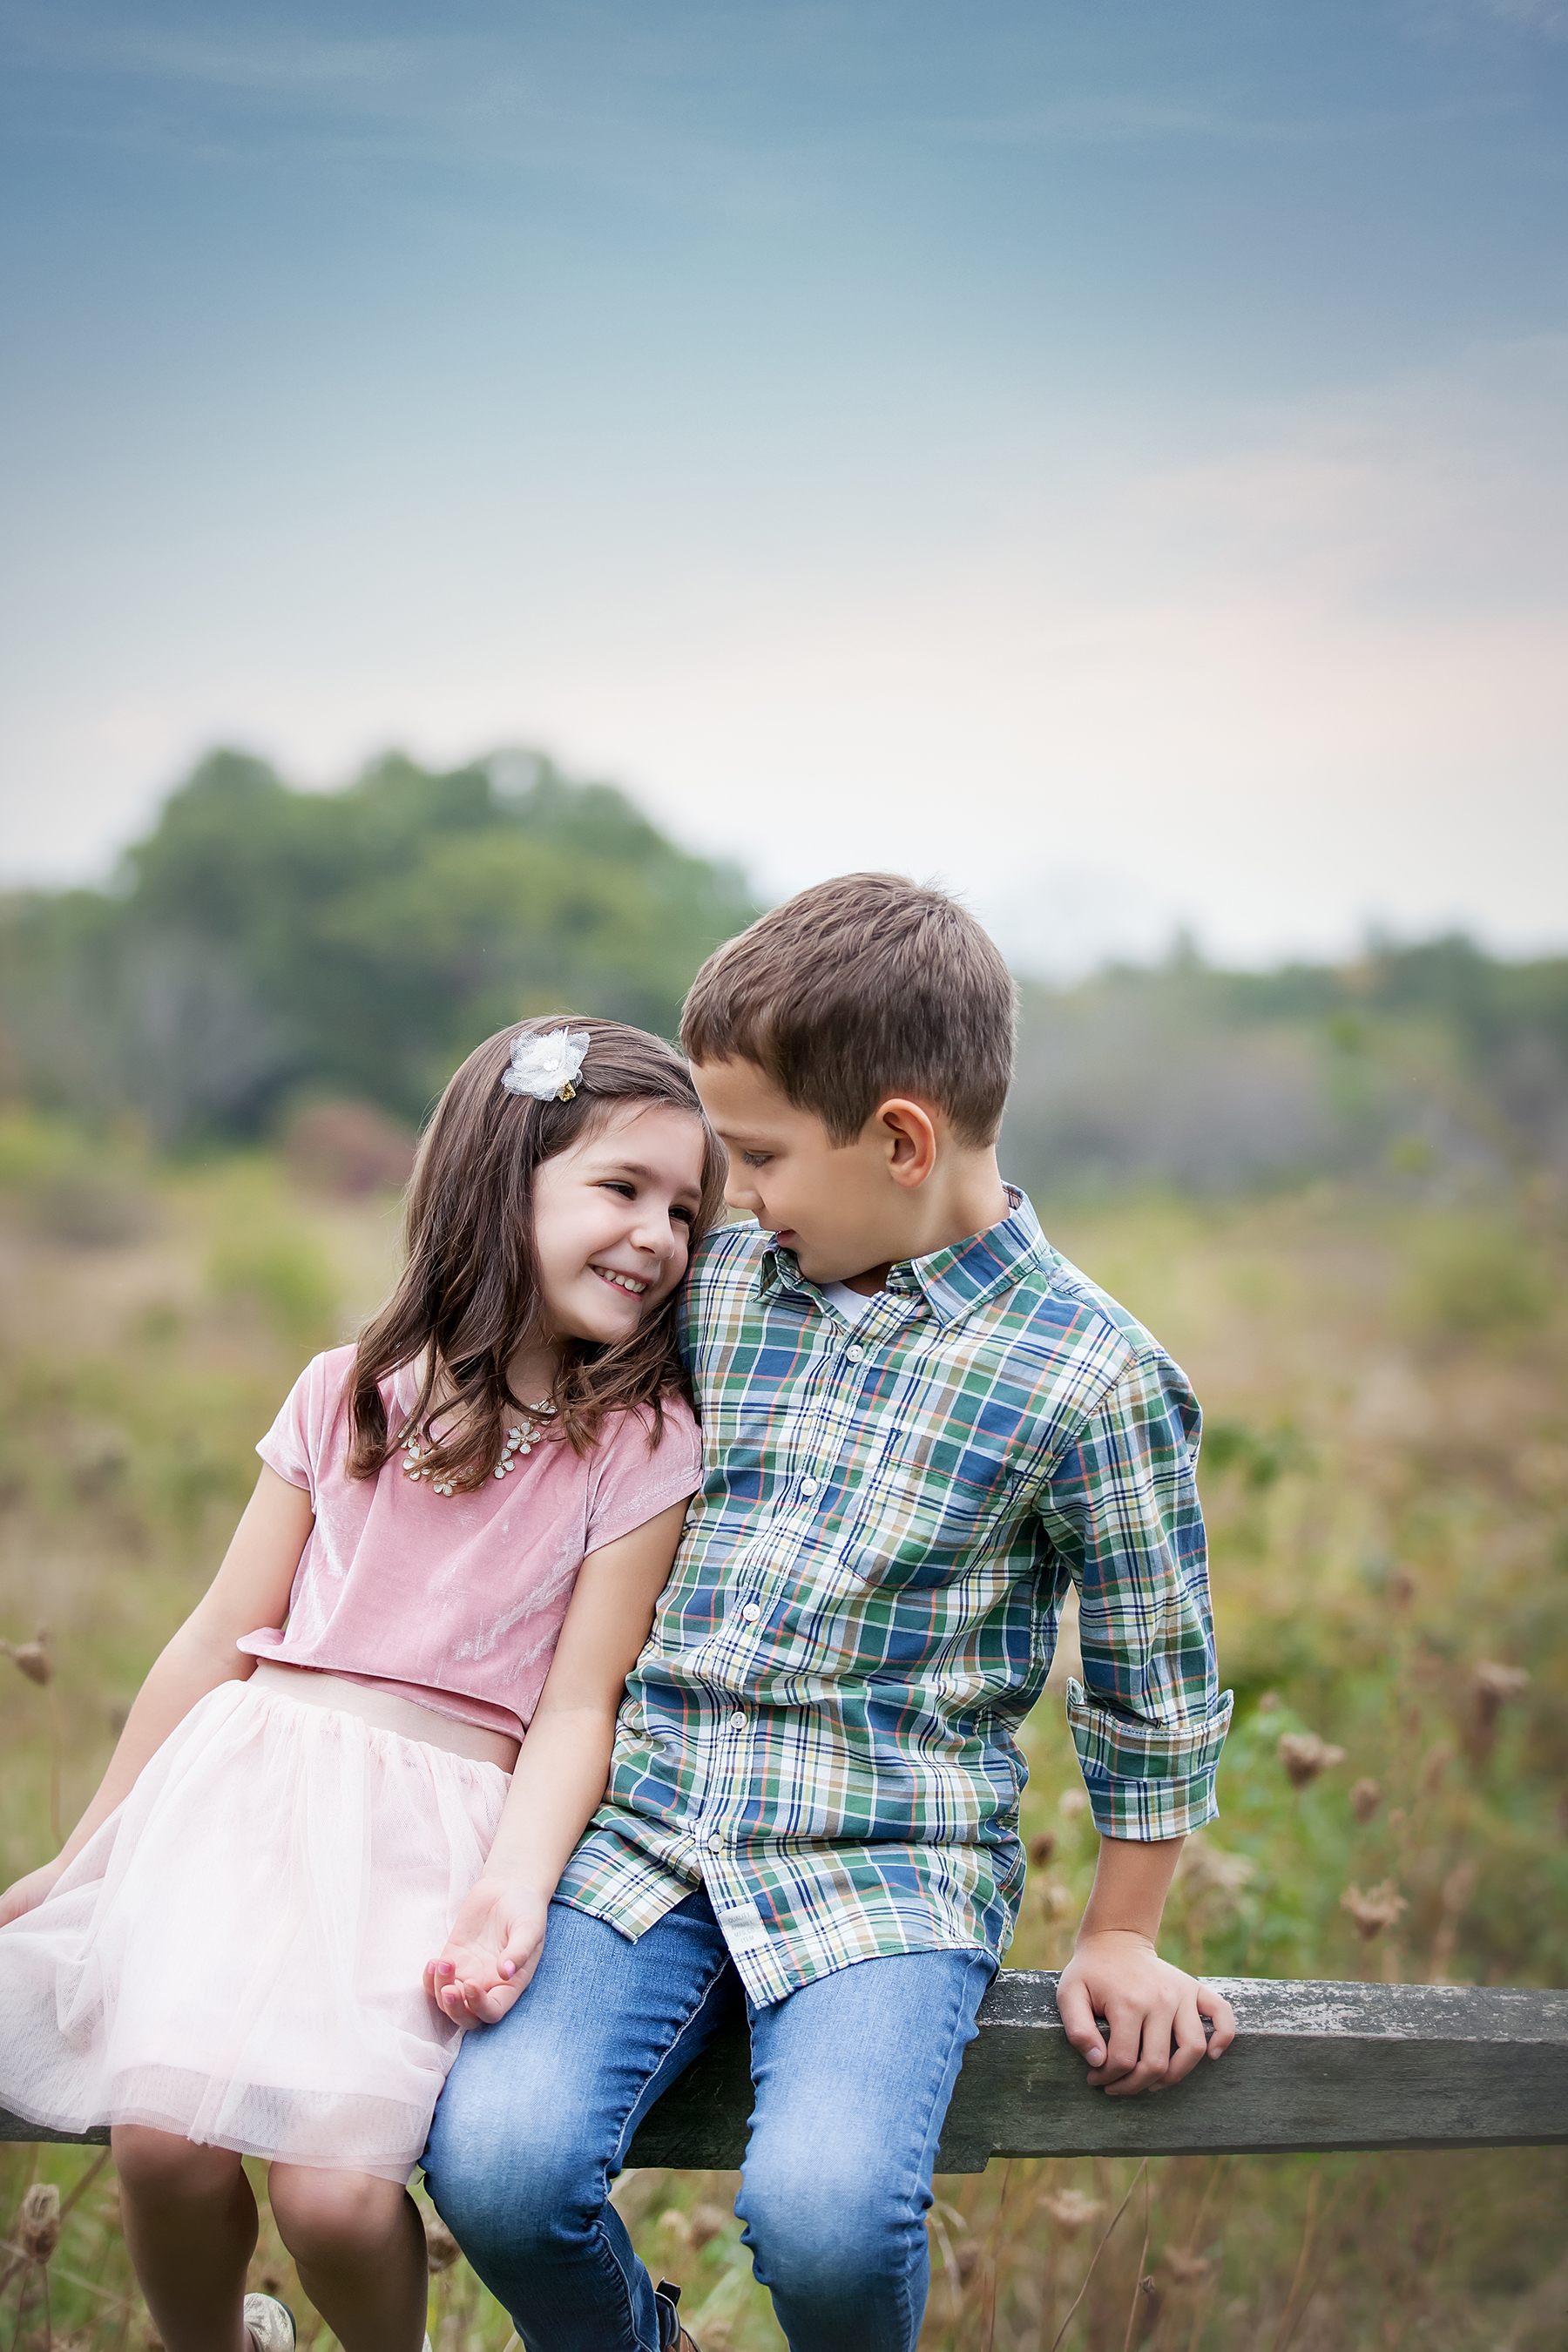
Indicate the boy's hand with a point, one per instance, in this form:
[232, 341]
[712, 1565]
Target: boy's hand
[491, 1953]
[1154, 2011]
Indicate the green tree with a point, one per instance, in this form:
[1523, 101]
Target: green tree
[263, 941]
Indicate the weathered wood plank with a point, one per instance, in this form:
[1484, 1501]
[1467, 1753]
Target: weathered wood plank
[1316, 2066]
[12, 2127]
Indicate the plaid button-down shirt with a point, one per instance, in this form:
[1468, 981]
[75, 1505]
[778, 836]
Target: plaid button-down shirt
[863, 1610]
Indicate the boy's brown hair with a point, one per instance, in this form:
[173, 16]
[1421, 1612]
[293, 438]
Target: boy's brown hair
[863, 987]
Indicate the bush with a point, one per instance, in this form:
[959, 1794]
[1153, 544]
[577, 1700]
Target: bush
[287, 1275]
[1473, 1278]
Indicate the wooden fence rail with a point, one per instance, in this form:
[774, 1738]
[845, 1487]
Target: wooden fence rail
[1315, 2067]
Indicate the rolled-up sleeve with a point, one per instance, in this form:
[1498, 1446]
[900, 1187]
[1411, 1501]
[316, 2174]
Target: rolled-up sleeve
[1121, 1508]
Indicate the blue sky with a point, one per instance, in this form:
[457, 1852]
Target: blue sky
[1113, 458]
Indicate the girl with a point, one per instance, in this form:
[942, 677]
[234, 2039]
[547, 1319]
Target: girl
[458, 1535]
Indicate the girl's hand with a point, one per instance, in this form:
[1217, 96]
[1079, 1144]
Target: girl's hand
[491, 1953]
[25, 1894]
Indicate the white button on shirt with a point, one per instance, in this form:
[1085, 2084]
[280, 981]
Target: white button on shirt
[752, 1612]
[808, 1485]
[737, 1721]
[855, 1354]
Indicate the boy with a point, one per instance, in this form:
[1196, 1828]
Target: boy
[919, 1423]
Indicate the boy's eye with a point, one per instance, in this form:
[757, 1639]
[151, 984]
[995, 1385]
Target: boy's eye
[686, 1216]
[756, 1159]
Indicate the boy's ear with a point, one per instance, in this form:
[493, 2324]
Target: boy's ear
[907, 1133]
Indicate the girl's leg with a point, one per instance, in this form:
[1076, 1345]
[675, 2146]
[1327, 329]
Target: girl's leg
[190, 2226]
[359, 2246]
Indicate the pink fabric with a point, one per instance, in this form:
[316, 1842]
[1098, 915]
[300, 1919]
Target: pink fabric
[455, 1600]
[235, 1956]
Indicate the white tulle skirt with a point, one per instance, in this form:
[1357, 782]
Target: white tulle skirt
[237, 1955]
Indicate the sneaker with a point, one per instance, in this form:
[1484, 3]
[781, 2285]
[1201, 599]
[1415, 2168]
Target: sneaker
[673, 2337]
[270, 2323]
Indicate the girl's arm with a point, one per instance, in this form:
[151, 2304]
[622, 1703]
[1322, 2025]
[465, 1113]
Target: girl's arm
[499, 1933]
[251, 1589]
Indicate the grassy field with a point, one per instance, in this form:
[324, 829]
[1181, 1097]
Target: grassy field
[1386, 1475]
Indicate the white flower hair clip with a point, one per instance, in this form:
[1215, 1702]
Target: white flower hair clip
[546, 1067]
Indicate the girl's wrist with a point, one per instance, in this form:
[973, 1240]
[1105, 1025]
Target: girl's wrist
[518, 1878]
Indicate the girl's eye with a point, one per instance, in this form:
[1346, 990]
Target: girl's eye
[626, 1192]
[756, 1159]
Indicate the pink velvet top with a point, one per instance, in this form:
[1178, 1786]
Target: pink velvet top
[455, 1601]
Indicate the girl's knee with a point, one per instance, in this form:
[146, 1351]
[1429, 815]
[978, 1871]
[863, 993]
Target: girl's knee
[163, 2164]
[322, 2215]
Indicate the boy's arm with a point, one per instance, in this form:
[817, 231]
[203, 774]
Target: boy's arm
[1153, 2011]
[1121, 1509]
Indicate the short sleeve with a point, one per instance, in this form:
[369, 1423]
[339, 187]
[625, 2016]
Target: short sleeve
[292, 1446]
[628, 1485]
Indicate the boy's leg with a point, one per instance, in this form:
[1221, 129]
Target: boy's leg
[538, 2110]
[853, 2076]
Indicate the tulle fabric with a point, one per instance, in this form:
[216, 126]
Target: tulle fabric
[237, 1955]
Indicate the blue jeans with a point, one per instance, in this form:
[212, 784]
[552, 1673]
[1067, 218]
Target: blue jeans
[852, 2074]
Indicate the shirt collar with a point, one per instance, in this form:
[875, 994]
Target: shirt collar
[952, 1281]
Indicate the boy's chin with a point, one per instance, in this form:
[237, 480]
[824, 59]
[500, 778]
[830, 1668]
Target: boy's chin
[824, 1267]
[817, 1266]
[819, 1263]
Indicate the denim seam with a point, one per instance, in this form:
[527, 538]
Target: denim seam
[680, 2035]
[933, 2131]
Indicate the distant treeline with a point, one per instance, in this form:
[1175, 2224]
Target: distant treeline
[1429, 1062]
[263, 945]
[264, 948]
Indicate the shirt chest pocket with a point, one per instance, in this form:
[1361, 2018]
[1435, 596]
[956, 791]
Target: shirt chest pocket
[935, 1501]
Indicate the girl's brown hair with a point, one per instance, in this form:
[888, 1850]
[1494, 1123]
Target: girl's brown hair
[470, 1291]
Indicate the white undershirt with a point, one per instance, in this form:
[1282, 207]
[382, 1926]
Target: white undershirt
[851, 1304]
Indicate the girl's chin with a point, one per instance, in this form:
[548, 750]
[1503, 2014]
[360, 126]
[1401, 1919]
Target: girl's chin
[604, 1314]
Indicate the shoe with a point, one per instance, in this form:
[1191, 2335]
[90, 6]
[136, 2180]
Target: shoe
[673, 2337]
[270, 2323]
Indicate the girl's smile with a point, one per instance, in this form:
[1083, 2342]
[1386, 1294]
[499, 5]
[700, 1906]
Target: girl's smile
[626, 1281]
